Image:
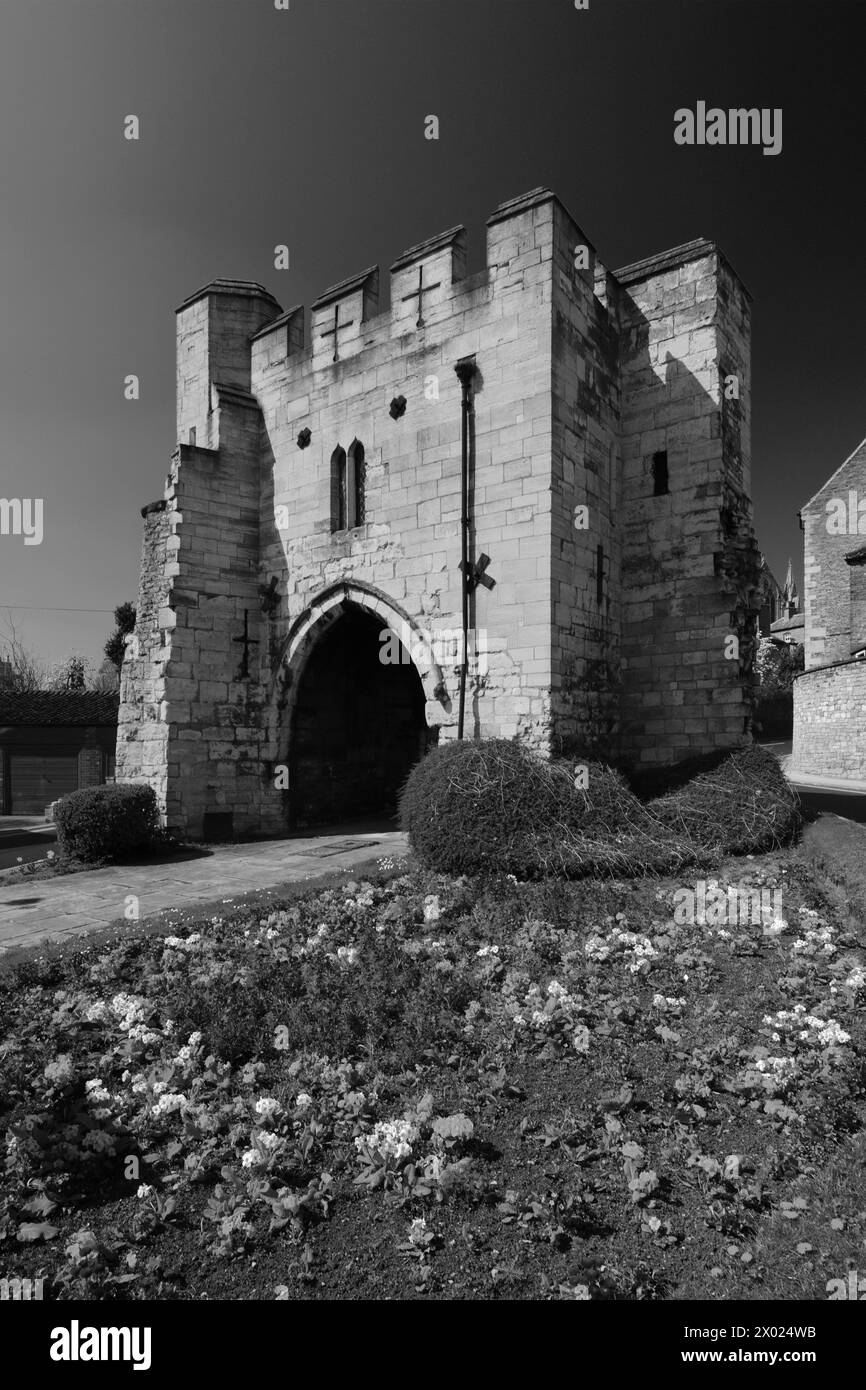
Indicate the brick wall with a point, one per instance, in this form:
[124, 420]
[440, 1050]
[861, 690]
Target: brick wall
[826, 576]
[830, 720]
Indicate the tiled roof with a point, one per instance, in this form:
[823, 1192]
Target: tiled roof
[57, 708]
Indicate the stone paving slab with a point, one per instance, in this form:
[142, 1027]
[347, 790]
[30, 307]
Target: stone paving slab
[75, 903]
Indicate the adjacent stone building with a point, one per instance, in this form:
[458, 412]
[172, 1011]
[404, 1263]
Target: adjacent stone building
[830, 695]
[558, 449]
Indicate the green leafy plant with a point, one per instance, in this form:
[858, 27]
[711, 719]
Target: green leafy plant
[100, 823]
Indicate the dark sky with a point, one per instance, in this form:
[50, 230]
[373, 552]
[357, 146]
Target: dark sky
[306, 127]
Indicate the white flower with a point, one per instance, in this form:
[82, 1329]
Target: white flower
[267, 1106]
[251, 1158]
[417, 1231]
[61, 1069]
[303, 1100]
[144, 1190]
[667, 1004]
[169, 1102]
[833, 1034]
[389, 1138]
[808, 1028]
[777, 1066]
[432, 908]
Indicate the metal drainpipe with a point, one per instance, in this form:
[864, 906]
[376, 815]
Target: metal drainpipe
[465, 370]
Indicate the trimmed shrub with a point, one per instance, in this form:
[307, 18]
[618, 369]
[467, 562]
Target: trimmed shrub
[744, 806]
[651, 783]
[495, 806]
[99, 823]
[471, 807]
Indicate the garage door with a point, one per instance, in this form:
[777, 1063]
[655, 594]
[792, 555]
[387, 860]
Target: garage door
[36, 781]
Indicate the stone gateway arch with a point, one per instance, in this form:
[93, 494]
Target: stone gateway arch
[517, 499]
[352, 715]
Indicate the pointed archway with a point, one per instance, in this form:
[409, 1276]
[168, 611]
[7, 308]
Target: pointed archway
[357, 721]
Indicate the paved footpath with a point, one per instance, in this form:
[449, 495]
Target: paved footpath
[74, 903]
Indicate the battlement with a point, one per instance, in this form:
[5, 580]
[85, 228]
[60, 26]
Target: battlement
[428, 286]
[664, 262]
[237, 333]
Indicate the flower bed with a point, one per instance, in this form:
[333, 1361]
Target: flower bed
[418, 1084]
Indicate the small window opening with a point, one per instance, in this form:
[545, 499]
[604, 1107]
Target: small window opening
[660, 473]
[338, 489]
[356, 479]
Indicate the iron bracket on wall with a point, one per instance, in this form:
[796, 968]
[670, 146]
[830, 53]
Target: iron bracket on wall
[474, 571]
[270, 598]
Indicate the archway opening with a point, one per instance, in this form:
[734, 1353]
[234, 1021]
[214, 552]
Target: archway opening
[357, 726]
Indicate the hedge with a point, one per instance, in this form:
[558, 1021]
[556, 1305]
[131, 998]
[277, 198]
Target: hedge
[99, 823]
[495, 806]
[744, 806]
